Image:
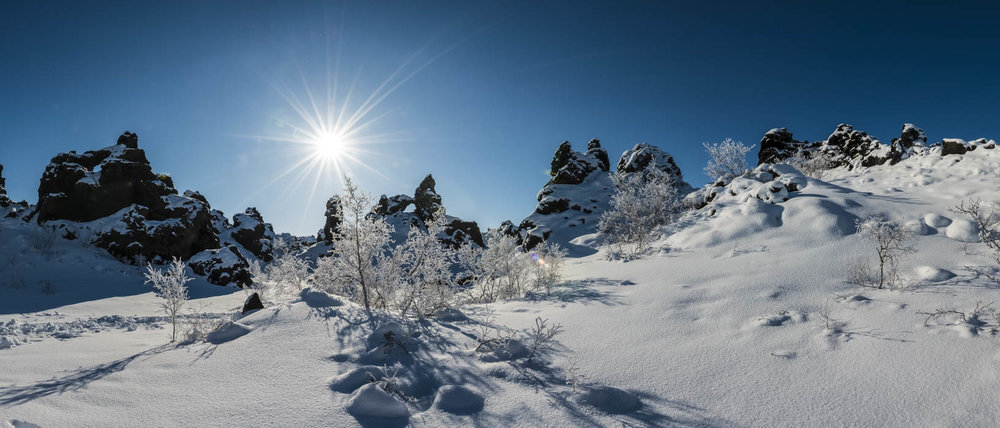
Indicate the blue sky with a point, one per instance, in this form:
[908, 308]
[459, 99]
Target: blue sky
[486, 90]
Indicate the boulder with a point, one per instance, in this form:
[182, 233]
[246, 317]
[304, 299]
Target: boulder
[252, 303]
[952, 146]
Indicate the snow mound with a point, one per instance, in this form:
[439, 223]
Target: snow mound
[355, 378]
[372, 401]
[319, 299]
[933, 274]
[781, 318]
[610, 400]
[936, 220]
[451, 314]
[458, 399]
[226, 332]
[7, 342]
[963, 230]
[505, 351]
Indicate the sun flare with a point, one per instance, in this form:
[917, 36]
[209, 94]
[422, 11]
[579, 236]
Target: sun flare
[329, 146]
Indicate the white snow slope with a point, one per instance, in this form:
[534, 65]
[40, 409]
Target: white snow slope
[741, 318]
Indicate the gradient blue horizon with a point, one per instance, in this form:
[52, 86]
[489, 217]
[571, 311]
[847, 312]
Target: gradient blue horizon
[495, 87]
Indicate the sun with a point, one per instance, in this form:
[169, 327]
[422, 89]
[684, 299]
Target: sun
[329, 146]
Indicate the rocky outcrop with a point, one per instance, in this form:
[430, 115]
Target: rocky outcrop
[641, 156]
[397, 204]
[4, 200]
[222, 266]
[778, 145]
[426, 201]
[573, 200]
[137, 213]
[252, 233]
[850, 148]
[571, 167]
[334, 216]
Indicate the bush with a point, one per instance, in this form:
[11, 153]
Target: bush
[890, 240]
[642, 202]
[727, 159]
[812, 164]
[547, 259]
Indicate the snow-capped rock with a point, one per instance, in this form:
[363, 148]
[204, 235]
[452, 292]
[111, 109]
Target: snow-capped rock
[572, 201]
[222, 266]
[132, 212]
[251, 232]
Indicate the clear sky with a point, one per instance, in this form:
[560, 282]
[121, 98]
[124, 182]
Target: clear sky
[478, 93]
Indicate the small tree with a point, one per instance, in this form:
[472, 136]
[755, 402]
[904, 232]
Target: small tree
[727, 159]
[417, 274]
[362, 240]
[890, 239]
[169, 286]
[642, 202]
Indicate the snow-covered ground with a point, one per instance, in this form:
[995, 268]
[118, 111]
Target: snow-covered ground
[742, 318]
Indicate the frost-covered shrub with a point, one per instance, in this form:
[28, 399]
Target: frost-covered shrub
[890, 240]
[547, 264]
[360, 242]
[541, 337]
[642, 202]
[502, 269]
[814, 164]
[417, 275]
[280, 280]
[987, 219]
[169, 286]
[727, 159]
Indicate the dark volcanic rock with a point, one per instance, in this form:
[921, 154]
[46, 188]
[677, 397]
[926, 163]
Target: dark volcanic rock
[334, 216]
[462, 232]
[574, 167]
[639, 157]
[129, 140]
[142, 214]
[4, 200]
[594, 149]
[250, 231]
[252, 303]
[222, 266]
[99, 183]
[395, 204]
[953, 147]
[777, 146]
[426, 201]
[552, 205]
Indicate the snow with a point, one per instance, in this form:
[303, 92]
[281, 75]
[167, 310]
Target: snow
[743, 316]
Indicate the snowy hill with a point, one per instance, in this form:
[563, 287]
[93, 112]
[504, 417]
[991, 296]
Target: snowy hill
[743, 315]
